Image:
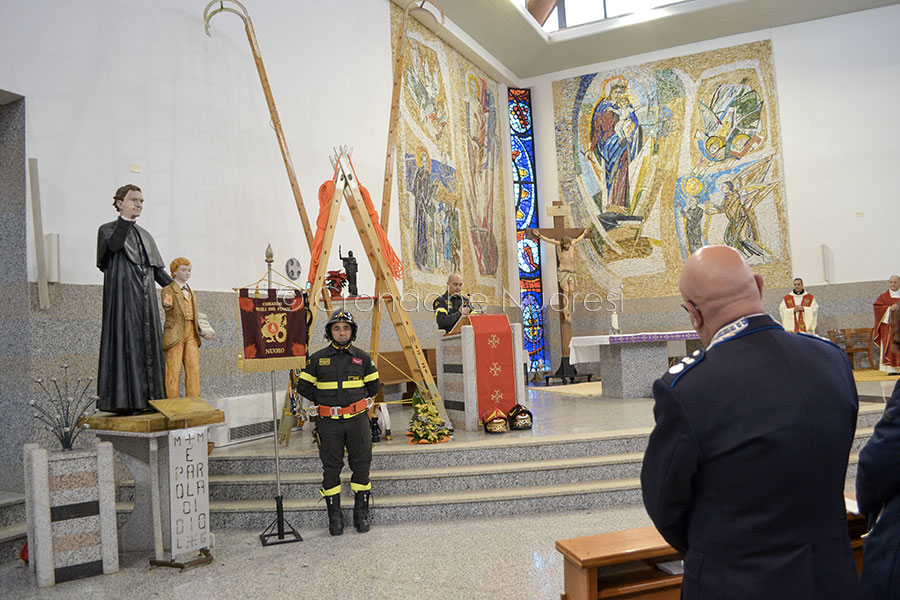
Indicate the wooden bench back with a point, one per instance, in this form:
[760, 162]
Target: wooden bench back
[388, 373]
[854, 341]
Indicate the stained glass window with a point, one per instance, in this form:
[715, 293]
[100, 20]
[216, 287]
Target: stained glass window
[528, 251]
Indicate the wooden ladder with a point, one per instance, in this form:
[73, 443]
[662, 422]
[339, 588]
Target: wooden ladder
[347, 187]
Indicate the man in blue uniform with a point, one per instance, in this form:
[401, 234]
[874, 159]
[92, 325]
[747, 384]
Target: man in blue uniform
[878, 494]
[744, 471]
[341, 380]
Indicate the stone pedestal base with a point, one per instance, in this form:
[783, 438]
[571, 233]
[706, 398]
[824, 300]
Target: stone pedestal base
[147, 457]
[70, 510]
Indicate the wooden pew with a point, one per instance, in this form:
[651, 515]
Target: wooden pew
[622, 564]
[389, 374]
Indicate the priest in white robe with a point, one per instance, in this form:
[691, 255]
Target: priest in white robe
[799, 310]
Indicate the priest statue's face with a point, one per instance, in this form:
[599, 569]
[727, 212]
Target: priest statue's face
[894, 283]
[798, 285]
[182, 274]
[131, 205]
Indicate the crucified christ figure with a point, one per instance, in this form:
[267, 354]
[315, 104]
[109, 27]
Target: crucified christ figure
[565, 271]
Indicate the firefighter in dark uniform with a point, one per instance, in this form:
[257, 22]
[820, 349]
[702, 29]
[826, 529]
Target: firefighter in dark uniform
[341, 380]
[452, 305]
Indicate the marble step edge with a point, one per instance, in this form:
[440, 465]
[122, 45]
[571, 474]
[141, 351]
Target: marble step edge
[411, 500]
[12, 513]
[451, 446]
[435, 472]
[314, 478]
[867, 410]
[11, 499]
[266, 462]
[15, 531]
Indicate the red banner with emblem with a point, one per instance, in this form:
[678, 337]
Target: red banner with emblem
[274, 325]
[495, 363]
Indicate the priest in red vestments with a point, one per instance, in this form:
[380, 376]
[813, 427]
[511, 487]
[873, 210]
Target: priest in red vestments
[799, 310]
[884, 305]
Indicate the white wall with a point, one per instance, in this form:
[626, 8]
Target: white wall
[838, 83]
[109, 83]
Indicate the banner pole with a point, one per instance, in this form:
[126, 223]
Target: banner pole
[278, 524]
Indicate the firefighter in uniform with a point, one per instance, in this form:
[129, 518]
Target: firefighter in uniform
[341, 380]
[452, 305]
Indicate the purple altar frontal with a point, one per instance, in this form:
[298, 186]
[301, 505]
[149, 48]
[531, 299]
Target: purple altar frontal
[630, 362]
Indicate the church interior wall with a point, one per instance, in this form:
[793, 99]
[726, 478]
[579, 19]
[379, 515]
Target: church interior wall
[15, 351]
[829, 200]
[838, 193]
[141, 84]
[110, 84]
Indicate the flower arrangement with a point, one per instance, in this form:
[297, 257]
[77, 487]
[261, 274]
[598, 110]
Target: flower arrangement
[62, 410]
[335, 281]
[426, 425]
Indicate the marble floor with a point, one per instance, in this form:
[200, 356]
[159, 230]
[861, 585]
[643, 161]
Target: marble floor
[498, 558]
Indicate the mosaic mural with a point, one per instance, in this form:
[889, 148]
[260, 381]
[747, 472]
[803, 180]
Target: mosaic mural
[665, 157]
[449, 169]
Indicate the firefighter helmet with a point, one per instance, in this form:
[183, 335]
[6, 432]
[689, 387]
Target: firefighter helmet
[494, 421]
[340, 315]
[519, 417]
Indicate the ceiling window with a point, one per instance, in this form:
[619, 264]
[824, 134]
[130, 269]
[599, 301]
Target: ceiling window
[572, 13]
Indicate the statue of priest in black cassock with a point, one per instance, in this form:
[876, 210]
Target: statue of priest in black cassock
[132, 366]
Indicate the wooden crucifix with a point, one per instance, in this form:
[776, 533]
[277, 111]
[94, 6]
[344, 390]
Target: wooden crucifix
[564, 238]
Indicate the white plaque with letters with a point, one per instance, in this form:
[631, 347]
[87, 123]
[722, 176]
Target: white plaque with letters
[189, 490]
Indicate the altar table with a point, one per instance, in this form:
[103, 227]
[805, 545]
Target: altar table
[630, 362]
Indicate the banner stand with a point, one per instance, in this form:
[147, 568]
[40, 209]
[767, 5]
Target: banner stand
[277, 330]
[275, 533]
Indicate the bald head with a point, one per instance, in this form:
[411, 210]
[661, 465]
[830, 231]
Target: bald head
[455, 283]
[718, 287]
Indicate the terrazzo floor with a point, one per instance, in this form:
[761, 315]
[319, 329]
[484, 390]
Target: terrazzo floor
[501, 557]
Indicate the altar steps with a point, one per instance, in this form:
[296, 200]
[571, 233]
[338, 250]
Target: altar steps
[12, 526]
[591, 471]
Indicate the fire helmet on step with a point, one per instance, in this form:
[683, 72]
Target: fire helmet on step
[494, 421]
[519, 417]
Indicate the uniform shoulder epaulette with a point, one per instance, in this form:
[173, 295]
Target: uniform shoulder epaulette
[687, 363]
[819, 338]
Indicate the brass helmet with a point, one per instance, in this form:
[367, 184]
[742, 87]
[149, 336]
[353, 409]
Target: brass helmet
[494, 421]
[519, 417]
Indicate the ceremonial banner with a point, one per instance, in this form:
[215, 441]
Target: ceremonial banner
[274, 327]
[495, 363]
[188, 490]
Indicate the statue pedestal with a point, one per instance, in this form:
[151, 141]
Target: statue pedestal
[147, 457]
[141, 441]
[458, 372]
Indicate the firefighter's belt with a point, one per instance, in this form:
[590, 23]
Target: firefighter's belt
[344, 412]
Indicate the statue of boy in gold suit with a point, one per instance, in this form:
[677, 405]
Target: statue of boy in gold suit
[182, 332]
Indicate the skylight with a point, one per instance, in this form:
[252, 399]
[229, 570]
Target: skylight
[572, 13]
